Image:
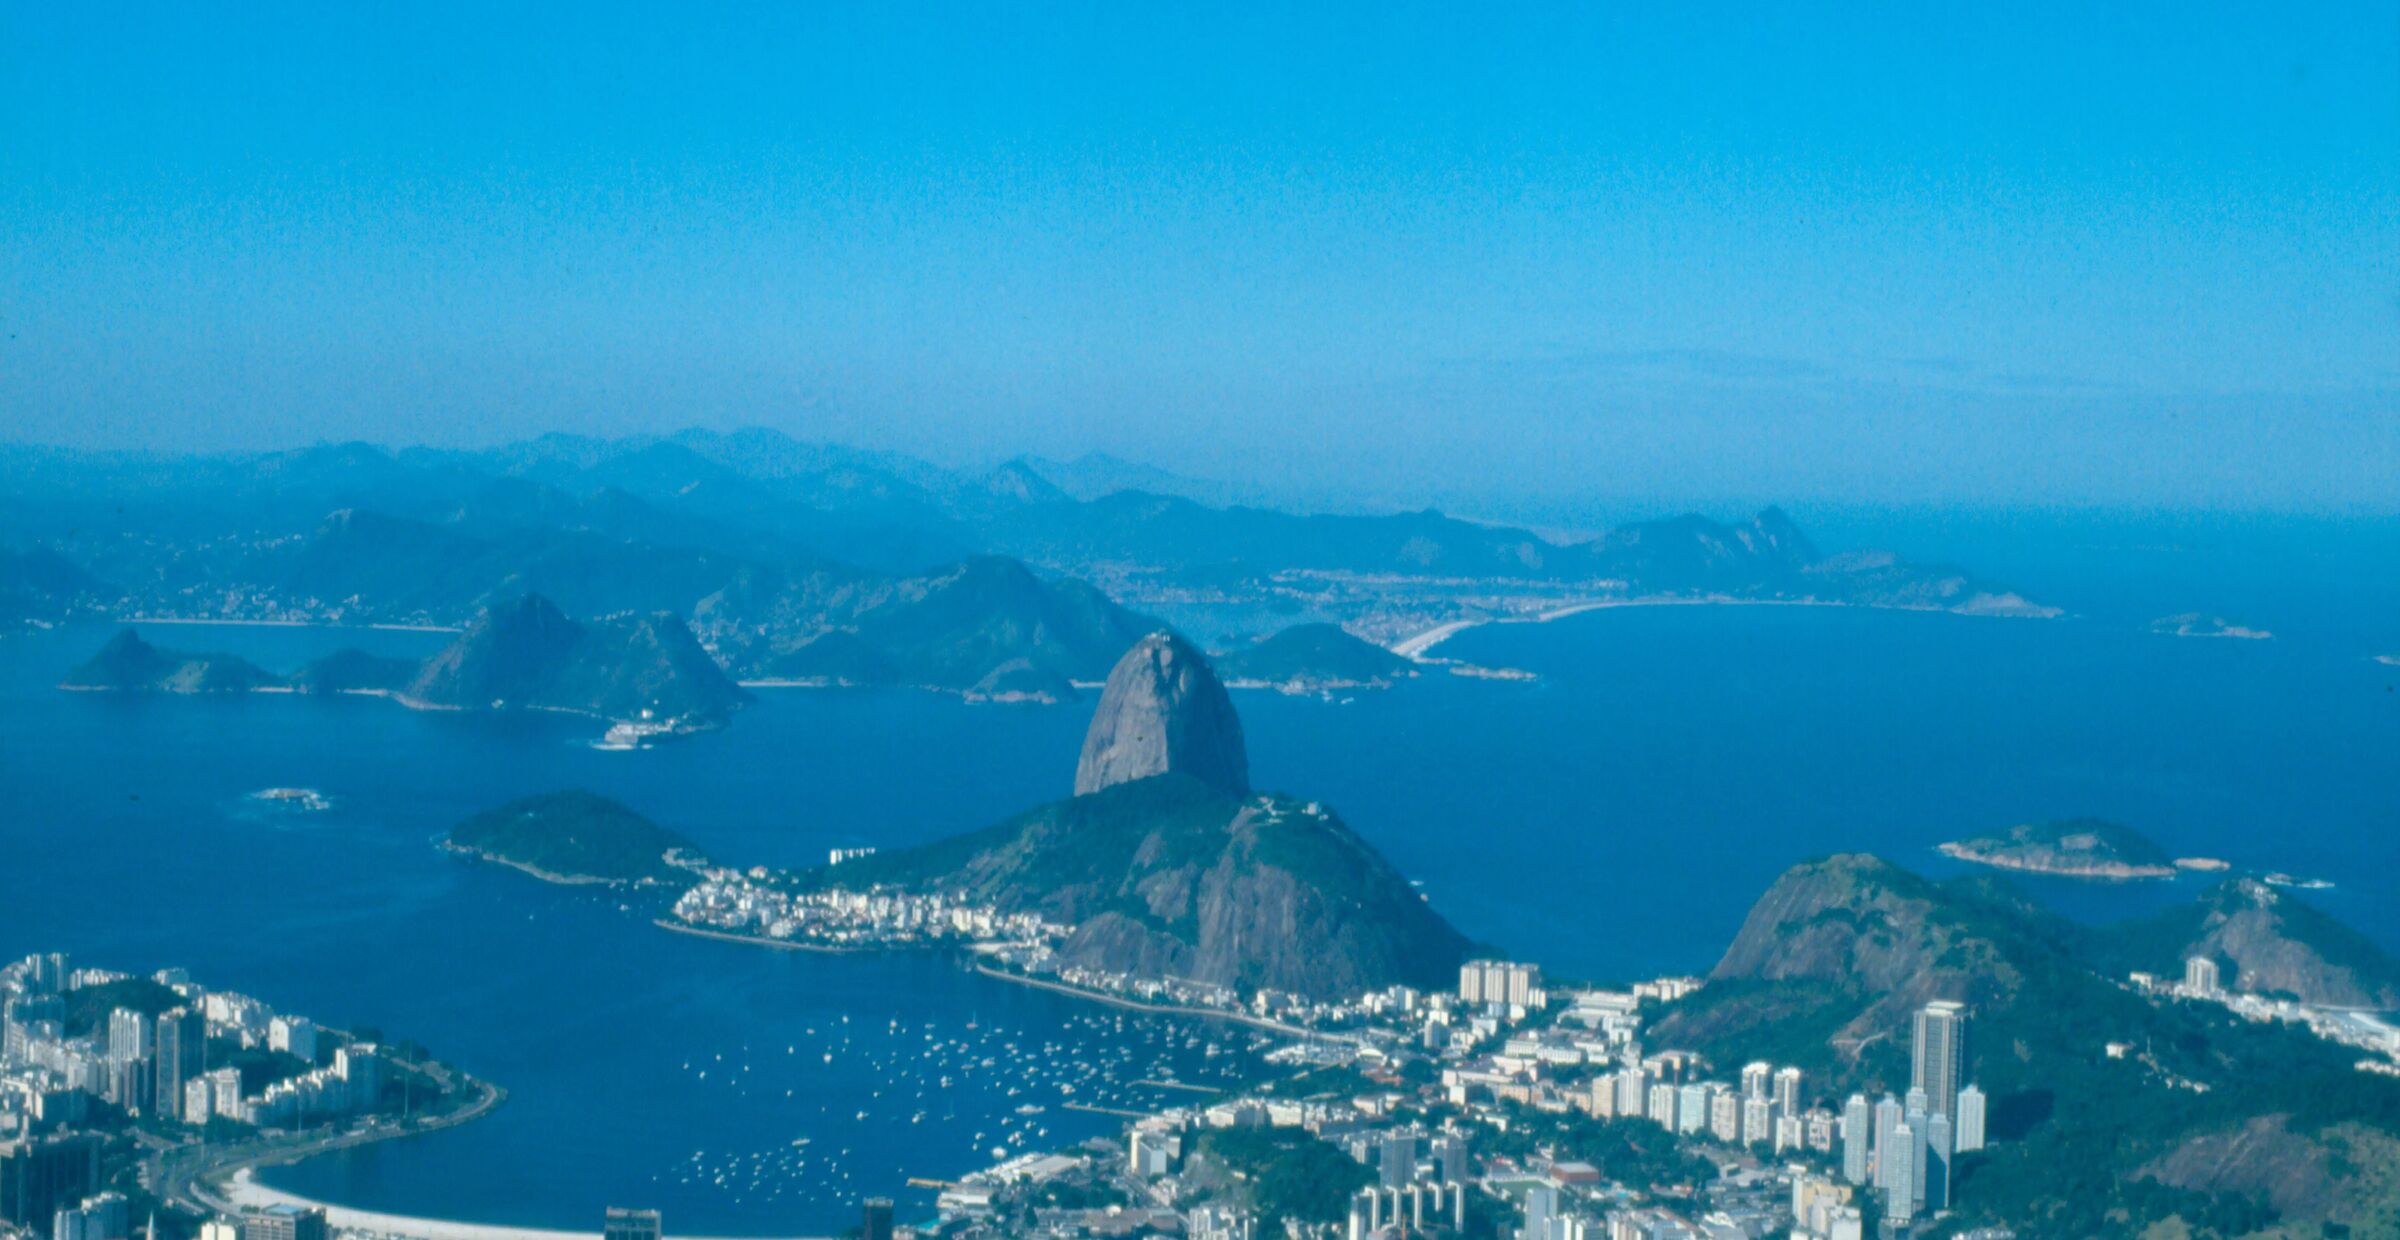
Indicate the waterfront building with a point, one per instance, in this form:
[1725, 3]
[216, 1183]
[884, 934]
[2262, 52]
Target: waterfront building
[284, 1222]
[1858, 1135]
[295, 1036]
[1939, 1055]
[621, 1223]
[220, 1229]
[2200, 977]
[876, 1219]
[1968, 1128]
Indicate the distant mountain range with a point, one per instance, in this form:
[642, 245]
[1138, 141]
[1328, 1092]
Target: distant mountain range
[816, 563]
[1836, 955]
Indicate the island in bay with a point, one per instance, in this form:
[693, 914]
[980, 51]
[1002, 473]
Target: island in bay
[1313, 658]
[577, 837]
[646, 676]
[2090, 848]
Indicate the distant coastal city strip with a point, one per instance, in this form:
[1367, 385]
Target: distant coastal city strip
[1414, 1112]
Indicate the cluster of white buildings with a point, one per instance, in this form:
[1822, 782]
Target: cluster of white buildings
[160, 1064]
[2202, 983]
[732, 902]
[1905, 1147]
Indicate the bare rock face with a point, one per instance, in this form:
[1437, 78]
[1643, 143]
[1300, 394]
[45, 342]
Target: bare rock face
[1163, 711]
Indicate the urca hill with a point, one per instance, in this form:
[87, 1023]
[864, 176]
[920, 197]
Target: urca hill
[1167, 863]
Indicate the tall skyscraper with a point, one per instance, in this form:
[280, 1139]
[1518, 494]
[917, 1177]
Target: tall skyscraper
[1399, 1159]
[1450, 1152]
[1787, 1092]
[1858, 1135]
[1899, 1175]
[2200, 976]
[39, 1176]
[128, 1035]
[1633, 1090]
[1756, 1078]
[182, 1052]
[877, 1223]
[1939, 1059]
[1887, 1128]
[1969, 1121]
[1541, 1206]
[1938, 1153]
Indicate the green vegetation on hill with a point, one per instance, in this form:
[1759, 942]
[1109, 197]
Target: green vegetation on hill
[1167, 875]
[128, 664]
[2266, 940]
[88, 1007]
[527, 653]
[1289, 1173]
[1315, 655]
[574, 836]
[2073, 847]
[1838, 953]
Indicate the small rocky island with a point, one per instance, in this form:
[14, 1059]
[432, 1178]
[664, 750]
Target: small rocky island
[2197, 624]
[1313, 658]
[577, 837]
[2070, 848]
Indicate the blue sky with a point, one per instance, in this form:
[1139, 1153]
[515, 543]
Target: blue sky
[2126, 255]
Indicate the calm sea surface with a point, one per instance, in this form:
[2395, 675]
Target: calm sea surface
[1613, 819]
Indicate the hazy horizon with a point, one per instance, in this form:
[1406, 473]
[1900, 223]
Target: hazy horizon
[2042, 257]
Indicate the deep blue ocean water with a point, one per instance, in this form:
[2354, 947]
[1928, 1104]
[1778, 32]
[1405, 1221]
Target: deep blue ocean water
[1613, 820]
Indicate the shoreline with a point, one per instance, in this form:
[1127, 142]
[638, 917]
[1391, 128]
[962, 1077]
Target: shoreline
[244, 1190]
[1161, 1009]
[535, 871]
[291, 624]
[754, 940]
[1063, 988]
[1415, 645]
[2120, 872]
